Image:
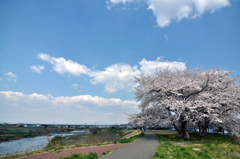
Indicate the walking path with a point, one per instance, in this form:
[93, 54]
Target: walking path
[144, 148]
[64, 153]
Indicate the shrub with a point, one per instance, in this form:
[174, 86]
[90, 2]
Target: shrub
[91, 155]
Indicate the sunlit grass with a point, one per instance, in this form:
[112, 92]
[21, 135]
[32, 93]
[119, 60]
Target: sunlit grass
[216, 146]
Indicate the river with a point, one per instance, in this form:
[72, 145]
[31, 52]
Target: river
[30, 144]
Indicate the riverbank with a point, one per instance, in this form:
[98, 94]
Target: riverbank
[66, 142]
[93, 137]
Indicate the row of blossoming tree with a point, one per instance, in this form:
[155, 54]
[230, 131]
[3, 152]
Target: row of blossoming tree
[204, 99]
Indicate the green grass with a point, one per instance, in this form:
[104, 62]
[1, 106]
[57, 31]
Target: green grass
[216, 146]
[81, 156]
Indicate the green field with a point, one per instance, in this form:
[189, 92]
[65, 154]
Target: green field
[211, 146]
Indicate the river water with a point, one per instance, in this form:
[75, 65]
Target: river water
[30, 144]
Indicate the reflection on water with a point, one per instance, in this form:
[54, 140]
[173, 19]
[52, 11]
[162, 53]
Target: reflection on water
[22, 145]
[30, 144]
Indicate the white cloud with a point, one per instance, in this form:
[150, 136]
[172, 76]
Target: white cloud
[75, 86]
[152, 66]
[44, 57]
[37, 69]
[1, 79]
[120, 1]
[37, 100]
[166, 37]
[109, 114]
[115, 77]
[62, 66]
[120, 76]
[166, 11]
[11, 75]
[84, 108]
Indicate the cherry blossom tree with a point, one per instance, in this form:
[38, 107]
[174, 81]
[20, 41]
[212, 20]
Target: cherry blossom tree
[187, 96]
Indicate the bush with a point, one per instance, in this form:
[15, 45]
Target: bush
[91, 155]
[94, 131]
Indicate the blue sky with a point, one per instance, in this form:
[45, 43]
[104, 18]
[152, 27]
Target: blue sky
[74, 61]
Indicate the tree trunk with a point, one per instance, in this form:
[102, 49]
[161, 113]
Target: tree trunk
[205, 130]
[180, 133]
[201, 129]
[184, 130]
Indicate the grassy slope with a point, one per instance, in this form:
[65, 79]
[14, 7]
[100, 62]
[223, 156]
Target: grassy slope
[211, 146]
[97, 137]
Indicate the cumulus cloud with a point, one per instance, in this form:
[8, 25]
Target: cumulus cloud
[119, 1]
[115, 77]
[75, 86]
[152, 66]
[37, 69]
[1, 79]
[120, 76]
[85, 106]
[62, 66]
[12, 77]
[36, 100]
[166, 11]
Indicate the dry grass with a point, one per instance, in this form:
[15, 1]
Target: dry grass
[130, 133]
[98, 136]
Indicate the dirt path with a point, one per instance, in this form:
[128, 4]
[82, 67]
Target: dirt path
[64, 153]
